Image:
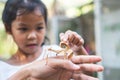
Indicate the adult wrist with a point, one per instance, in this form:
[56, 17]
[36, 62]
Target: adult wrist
[22, 74]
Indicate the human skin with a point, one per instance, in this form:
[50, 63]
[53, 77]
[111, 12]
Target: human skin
[75, 42]
[59, 69]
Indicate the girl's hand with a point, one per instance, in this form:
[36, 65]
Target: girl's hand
[74, 40]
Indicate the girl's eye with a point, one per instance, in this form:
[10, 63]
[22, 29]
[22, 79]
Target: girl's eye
[23, 29]
[39, 28]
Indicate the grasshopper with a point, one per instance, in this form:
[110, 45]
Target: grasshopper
[66, 51]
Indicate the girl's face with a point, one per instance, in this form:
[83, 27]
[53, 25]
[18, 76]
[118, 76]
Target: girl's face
[28, 31]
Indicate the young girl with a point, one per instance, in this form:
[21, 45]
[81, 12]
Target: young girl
[26, 22]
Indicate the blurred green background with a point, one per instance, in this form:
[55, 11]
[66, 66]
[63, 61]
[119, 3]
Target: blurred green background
[7, 46]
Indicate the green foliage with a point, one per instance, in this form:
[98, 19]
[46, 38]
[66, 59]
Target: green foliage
[7, 46]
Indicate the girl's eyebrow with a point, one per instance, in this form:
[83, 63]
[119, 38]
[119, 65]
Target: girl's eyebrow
[22, 24]
[25, 25]
[40, 23]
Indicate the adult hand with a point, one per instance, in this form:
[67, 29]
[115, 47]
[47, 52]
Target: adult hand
[58, 68]
[61, 69]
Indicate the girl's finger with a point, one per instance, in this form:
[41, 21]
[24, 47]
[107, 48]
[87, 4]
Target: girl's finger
[63, 37]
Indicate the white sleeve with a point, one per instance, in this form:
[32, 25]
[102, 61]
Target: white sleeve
[3, 71]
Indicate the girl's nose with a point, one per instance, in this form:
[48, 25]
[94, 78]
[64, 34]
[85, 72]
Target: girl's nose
[32, 35]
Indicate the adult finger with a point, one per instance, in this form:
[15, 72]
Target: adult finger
[62, 63]
[85, 59]
[82, 76]
[91, 67]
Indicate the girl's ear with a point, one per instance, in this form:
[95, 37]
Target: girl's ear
[8, 29]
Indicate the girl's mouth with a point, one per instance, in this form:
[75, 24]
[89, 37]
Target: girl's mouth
[32, 45]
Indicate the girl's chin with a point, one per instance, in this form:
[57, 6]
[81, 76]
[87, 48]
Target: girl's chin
[31, 51]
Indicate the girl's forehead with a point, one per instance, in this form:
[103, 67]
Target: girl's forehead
[35, 16]
[36, 11]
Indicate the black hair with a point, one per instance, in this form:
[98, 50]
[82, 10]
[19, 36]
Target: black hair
[12, 7]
